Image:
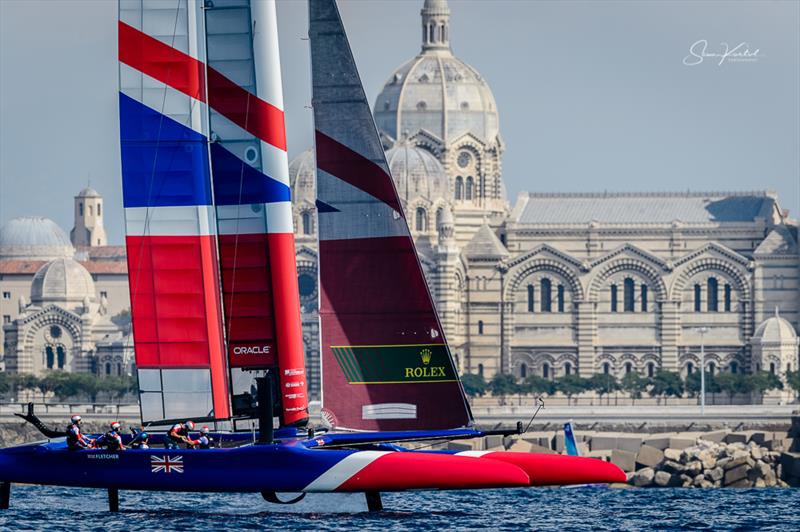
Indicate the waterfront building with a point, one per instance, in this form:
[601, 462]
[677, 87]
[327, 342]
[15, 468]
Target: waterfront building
[575, 282]
[64, 302]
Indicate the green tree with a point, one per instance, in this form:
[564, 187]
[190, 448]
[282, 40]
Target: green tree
[503, 384]
[5, 383]
[474, 384]
[666, 384]
[538, 385]
[571, 385]
[793, 380]
[764, 381]
[603, 384]
[634, 384]
[24, 381]
[692, 384]
[733, 383]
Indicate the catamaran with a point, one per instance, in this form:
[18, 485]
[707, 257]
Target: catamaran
[213, 283]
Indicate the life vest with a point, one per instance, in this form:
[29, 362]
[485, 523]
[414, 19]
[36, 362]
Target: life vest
[205, 442]
[76, 440]
[112, 441]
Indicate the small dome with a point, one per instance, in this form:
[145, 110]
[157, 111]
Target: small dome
[302, 177]
[34, 238]
[62, 280]
[88, 192]
[416, 172]
[776, 330]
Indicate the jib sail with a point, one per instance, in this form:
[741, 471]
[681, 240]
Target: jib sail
[386, 364]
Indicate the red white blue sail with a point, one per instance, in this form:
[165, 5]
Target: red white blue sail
[386, 364]
[204, 216]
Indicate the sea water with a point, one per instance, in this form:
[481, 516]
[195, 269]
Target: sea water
[46, 508]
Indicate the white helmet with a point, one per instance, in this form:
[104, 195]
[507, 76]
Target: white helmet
[75, 418]
[189, 425]
[116, 425]
[204, 431]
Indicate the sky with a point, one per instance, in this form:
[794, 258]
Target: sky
[593, 95]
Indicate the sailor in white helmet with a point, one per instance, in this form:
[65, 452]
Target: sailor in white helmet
[75, 438]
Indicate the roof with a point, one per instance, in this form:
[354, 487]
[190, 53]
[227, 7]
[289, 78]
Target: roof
[643, 208]
[416, 172]
[62, 280]
[778, 242]
[34, 238]
[485, 244]
[30, 267]
[775, 330]
[20, 267]
[88, 192]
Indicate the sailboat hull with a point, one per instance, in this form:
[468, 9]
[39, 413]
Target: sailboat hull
[252, 468]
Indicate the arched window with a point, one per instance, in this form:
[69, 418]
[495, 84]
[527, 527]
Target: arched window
[560, 297]
[712, 368]
[689, 368]
[546, 296]
[772, 367]
[439, 216]
[628, 297]
[62, 356]
[697, 298]
[651, 369]
[523, 370]
[422, 221]
[306, 220]
[459, 187]
[50, 357]
[613, 298]
[470, 190]
[80, 208]
[480, 327]
[119, 369]
[91, 210]
[98, 209]
[727, 297]
[530, 298]
[713, 297]
[480, 370]
[546, 370]
[606, 368]
[567, 368]
[628, 367]
[644, 298]
[734, 367]
[441, 33]
[108, 368]
[430, 33]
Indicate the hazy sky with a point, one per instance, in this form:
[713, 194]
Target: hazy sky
[593, 95]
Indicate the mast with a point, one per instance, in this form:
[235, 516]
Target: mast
[386, 363]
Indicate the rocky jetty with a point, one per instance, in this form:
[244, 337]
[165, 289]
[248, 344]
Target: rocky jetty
[710, 464]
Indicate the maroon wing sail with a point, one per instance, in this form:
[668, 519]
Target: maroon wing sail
[385, 361]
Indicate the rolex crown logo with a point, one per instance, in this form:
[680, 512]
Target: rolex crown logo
[425, 355]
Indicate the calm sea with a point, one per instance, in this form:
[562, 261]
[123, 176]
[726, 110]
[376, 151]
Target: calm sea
[38, 508]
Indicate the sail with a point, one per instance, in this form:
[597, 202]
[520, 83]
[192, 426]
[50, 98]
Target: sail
[249, 164]
[386, 364]
[208, 224]
[169, 216]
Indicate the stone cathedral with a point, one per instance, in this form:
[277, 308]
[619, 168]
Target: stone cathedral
[566, 283]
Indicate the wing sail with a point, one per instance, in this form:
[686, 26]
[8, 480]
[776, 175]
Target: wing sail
[169, 218]
[386, 364]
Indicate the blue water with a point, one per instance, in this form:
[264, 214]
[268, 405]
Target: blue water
[37, 508]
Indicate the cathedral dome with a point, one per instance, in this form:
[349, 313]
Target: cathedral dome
[436, 91]
[34, 238]
[775, 330]
[302, 177]
[62, 280]
[416, 172]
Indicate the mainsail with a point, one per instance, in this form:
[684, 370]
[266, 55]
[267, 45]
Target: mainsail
[208, 213]
[386, 364]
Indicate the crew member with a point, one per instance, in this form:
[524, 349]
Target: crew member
[141, 440]
[205, 441]
[179, 433]
[112, 439]
[75, 438]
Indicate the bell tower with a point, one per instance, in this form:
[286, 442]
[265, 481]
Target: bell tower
[88, 230]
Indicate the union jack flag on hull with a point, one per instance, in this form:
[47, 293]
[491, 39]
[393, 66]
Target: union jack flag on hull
[166, 464]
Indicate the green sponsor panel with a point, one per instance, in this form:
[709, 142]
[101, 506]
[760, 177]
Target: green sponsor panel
[392, 364]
